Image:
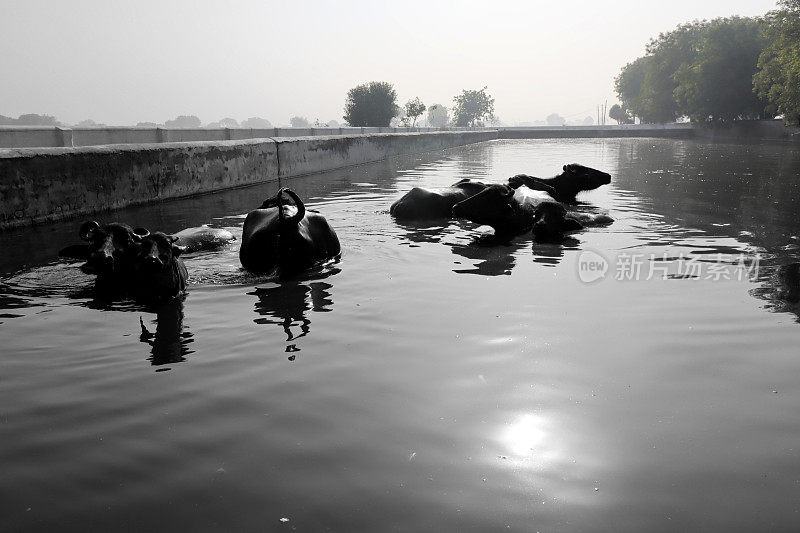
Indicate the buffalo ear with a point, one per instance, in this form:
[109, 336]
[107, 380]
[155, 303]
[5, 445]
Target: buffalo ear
[565, 168]
[172, 238]
[87, 228]
[509, 192]
[177, 250]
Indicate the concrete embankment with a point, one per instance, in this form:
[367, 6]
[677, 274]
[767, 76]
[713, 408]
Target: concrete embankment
[671, 131]
[49, 184]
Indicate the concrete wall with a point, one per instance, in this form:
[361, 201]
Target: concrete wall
[49, 184]
[47, 136]
[750, 130]
[36, 136]
[624, 130]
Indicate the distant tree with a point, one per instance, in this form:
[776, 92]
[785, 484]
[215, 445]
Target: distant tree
[183, 121]
[471, 107]
[256, 123]
[718, 84]
[32, 119]
[146, 125]
[778, 80]
[371, 104]
[414, 109]
[299, 122]
[89, 123]
[333, 124]
[620, 114]
[555, 120]
[438, 116]
[224, 123]
[588, 121]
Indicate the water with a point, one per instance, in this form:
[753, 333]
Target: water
[427, 381]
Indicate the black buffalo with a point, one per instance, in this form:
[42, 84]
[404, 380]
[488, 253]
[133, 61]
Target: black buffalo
[203, 238]
[512, 212]
[110, 253]
[159, 272]
[286, 237]
[565, 187]
[424, 204]
[508, 211]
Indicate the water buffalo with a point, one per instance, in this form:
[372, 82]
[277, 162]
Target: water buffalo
[509, 211]
[575, 178]
[110, 253]
[159, 273]
[514, 211]
[551, 222]
[424, 204]
[203, 239]
[287, 237]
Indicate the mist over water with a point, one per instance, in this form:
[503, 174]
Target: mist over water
[426, 381]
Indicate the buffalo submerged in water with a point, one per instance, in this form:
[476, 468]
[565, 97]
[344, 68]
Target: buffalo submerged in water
[137, 263]
[289, 238]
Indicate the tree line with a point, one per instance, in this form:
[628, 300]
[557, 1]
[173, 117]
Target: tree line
[726, 69]
[375, 104]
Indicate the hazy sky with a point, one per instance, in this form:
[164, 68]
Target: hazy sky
[122, 62]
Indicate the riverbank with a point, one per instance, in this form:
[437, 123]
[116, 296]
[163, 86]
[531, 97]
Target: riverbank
[51, 184]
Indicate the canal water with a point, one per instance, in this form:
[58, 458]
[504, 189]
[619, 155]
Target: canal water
[639, 377]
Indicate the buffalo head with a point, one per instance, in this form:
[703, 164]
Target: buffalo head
[157, 252]
[577, 178]
[550, 222]
[111, 247]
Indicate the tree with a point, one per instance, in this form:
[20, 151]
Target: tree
[224, 123]
[718, 84]
[620, 114]
[471, 107]
[32, 119]
[668, 53]
[588, 121]
[89, 123]
[299, 122]
[184, 121]
[555, 119]
[256, 123]
[414, 108]
[778, 80]
[146, 125]
[438, 116]
[629, 84]
[370, 104]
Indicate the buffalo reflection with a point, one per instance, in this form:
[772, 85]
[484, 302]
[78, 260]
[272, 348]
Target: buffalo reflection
[286, 305]
[423, 231]
[551, 253]
[169, 343]
[497, 257]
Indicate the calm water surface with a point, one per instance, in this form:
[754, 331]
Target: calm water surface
[427, 381]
